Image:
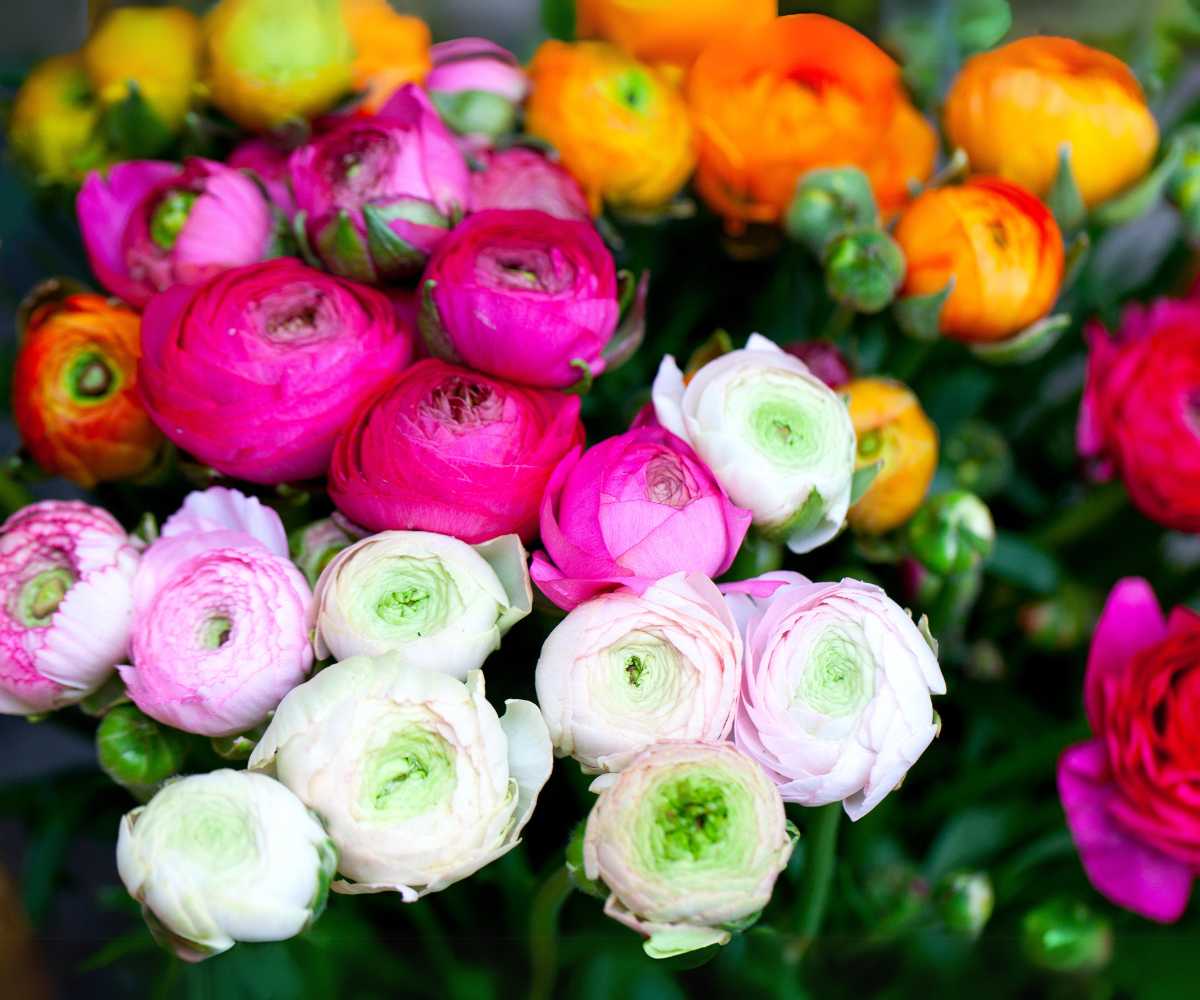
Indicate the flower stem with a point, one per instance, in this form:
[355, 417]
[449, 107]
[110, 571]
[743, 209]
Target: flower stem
[1079, 519]
[13, 495]
[822, 830]
[543, 933]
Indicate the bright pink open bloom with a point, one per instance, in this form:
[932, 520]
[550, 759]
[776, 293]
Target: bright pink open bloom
[221, 620]
[256, 371]
[477, 87]
[65, 603]
[148, 225]
[524, 296]
[448, 450]
[1132, 794]
[520, 178]
[629, 511]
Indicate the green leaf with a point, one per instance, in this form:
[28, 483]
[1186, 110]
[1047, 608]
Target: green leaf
[1023, 563]
[1064, 199]
[1144, 195]
[980, 24]
[862, 480]
[132, 127]
[1030, 344]
[919, 315]
[558, 18]
[300, 231]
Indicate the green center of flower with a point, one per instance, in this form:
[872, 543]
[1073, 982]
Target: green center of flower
[634, 89]
[870, 443]
[214, 632]
[634, 668]
[692, 817]
[214, 832]
[839, 678]
[170, 216]
[642, 675]
[414, 596]
[408, 774]
[90, 379]
[41, 596]
[784, 431]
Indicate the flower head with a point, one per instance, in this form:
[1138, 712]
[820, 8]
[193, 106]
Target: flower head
[477, 87]
[518, 178]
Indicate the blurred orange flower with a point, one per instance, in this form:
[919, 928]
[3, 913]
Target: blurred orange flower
[1001, 246]
[391, 49]
[1011, 110]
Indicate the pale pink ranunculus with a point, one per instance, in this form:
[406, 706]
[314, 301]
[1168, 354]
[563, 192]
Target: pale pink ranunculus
[477, 87]
[836, 688]
[148, 225]
[221, 618]
[66, 605]
[519, 178]
[630, 510]
[624, 670]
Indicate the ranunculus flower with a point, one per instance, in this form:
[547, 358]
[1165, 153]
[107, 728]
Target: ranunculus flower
[390, 49]
[224, 857]
[689, 839]
[375, 195]
[1132, 793]
[630, 510]
[522, 295]
[621, 127]
[74, 391]
[66, 569]
[1012, 110]
[477, 87]
[473, 460]
[419, 782]
[835, 691]
[268, 162]
[623, 670]
[148, 225]
[775, 436]
[431, 600]
[999, 245]
[313, 547]
[256, 371]
[221, 617]
[1140, 416]
[521, 178]
[824, 360]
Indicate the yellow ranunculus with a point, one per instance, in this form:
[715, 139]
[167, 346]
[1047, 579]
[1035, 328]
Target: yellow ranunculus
[54, 126]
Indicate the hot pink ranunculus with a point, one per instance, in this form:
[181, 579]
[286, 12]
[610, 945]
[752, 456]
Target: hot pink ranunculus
[148, 225]
[1132, 794]
[519, 178]
[257, 370]
[375, 195]
[448, 450]
[629, 511]
[524, 296]
[267, 161]
[477, 87]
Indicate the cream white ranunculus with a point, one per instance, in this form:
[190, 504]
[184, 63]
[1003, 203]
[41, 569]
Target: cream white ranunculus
[224, 857]
[776, 437]
[623, 670]
[836, 688]
[434, 601]
[689, 839]
[419, 783]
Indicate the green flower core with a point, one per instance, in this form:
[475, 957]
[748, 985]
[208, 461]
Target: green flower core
[408, 774]
[692, 816]
[839, 678]
[785, 431]
[214, 632]
[634, 89]
[640, 675]
[169, 217]
[90, 378]
[213, 831]
[413, 596]
[40, 597]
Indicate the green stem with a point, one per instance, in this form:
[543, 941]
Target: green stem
[13, 496]
[543, 933]
[1079, 519]
[909, 359]
[840, 320]
[822, 830]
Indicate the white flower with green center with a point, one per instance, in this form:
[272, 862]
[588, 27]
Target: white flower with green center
[624, 670]
[836, 692]
[434, 601]
[689, 839]
[776, 437]
[419, 782]
[224, 857]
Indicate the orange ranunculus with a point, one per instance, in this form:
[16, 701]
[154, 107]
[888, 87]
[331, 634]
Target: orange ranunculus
[668, 31]
[392, 49]
[619, 126]
[774, 101]
[1011, 110]
[999, 244]
[891, 428]
[74, 393]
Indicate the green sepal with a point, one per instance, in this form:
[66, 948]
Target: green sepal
[327, 862]
[133, 128]
[394, 257]
[586, 378]
[300, 232]
[429, 325]
[717, 344]
[1143, 196]
[106, 696]
[343, 249]
[803, 522]
[919, 316]
[631, 330]
[574, 862]
[1064, 199]
[1075, 258]
[862, 479]
[475, 112]
[1030, 344]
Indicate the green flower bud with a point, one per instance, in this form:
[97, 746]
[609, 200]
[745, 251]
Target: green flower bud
[313, 546]
[979, 457]
[828, 203]
[137, 752]
[1064, 935]
[1062, 621]
[965, 901]
[952, 533]
[864, 269]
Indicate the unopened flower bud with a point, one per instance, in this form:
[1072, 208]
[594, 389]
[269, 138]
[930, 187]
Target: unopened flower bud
[1061, 621]
[824, 360]
[952, 533]
[830, 202]
[965, 901]
[137, 752]
[979, 456]
[864, 269]
[1064, 935]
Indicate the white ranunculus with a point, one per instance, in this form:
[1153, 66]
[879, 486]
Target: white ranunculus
[836, 688]
[624, 670]
[419, 783]
[776, 437]
[434, 601]
[689, 839]
[224, 857]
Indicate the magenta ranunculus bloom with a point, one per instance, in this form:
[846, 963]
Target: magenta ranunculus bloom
[524, 296]
[629, 511]
[375, 195]
[148, 225]
[448, 450]
[66, 570]
[477, 87]
[521, 178]
[221, 618]
[257, 370]
[267, 161]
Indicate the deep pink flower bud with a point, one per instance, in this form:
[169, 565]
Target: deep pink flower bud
[524, 296]
[256, 371]
[267, 161]
[477, 87]
[824, 360]
[149, 225]
[520, 178]
[447, 450]
[632, 510]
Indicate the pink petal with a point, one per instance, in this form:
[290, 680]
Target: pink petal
[1131, 621]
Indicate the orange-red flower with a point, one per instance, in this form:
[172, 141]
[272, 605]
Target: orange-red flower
[999, 244]
[75, 396]
[1012, 109]
[391, 49]
[774, 101]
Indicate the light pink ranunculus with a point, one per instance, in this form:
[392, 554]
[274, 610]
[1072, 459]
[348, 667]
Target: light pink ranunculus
[148, 225]
[519, 178]
[477, 87]
[630, 510]
[66, 605]
[221, 618]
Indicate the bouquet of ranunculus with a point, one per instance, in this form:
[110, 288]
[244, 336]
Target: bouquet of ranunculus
[678, 462]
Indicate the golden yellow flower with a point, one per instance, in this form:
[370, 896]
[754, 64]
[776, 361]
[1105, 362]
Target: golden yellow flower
[54, 126]
[392, 49]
